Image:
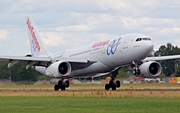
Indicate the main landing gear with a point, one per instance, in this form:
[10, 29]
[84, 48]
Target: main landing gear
[112, 84]
[61, 85]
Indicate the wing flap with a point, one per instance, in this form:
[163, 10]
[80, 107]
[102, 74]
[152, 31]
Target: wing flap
[22, 58]
[44, 61]
[29, 61]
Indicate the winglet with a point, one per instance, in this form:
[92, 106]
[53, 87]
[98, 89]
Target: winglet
[37, 47]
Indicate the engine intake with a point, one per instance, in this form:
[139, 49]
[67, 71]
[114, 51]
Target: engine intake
[150, 69]
[58, 69]
[64, 68]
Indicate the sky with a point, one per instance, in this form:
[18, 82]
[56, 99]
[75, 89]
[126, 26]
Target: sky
[65, 24]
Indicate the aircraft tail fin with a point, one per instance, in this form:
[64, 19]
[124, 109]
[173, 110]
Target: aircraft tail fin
[37, 47]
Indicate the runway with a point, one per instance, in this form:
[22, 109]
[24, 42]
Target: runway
[119, 90]
[84, 90]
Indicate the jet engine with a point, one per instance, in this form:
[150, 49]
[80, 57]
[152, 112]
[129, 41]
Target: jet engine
[150, 69]
[58, 69]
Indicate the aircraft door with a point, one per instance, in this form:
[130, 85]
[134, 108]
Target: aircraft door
[125, 42]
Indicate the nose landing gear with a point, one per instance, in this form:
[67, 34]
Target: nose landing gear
[136, 70]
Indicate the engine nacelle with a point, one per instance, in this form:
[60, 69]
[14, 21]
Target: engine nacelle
[58, 69]
[150, 69]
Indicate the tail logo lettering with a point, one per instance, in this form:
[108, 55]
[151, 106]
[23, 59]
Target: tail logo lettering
[35, 43]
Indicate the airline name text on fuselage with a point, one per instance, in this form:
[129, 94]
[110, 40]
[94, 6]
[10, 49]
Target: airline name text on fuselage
[100, 44]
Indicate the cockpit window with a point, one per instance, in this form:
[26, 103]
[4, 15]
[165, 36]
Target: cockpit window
[140, 39]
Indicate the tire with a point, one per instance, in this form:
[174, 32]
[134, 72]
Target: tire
[111, 83]
[56, 87]
[60, 83]
[134, 71]
[63, 88]
[114, 87]
[107, 86]
[66, 83]
[138, 72]
[118, 83]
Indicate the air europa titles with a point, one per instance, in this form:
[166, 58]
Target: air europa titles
[100, 44]
[34, 41]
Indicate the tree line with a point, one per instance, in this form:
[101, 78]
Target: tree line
[19, 73]
[169, 67]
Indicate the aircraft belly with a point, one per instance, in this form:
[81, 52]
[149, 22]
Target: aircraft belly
[94, 68]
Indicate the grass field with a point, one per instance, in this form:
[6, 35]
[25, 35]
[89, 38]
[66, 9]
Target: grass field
[91, 99]
[87, 105]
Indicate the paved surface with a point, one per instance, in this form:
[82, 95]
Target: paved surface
[136, 90]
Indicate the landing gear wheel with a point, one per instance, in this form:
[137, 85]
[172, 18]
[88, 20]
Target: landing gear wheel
[118, 83]
[56, 87]
[138, 72]
[107, 86]
[66, 83]
[111, 83]
[60, 83]
[63, 88]
[134, 71]
[114, 87]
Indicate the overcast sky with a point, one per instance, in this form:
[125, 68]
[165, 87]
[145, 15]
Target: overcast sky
[69, 23]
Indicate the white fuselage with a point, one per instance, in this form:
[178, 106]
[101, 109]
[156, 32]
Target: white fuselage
[110, 54]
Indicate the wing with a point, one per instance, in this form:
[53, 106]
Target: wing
[44, 61]
[162, 58]
[29, 61]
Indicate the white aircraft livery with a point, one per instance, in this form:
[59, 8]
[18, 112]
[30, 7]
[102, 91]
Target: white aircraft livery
[98, 58]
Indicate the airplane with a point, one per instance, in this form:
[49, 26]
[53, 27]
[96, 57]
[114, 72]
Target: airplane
[98, 58]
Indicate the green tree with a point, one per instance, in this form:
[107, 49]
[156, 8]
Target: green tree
[24, 74]
[4, 73]
[18, 73]
[177, 71]
[14, 72]
[123, 73]
[168, 66]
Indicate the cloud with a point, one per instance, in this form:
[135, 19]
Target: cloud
[70, 23]
[147, 22]
[53, 38]
[4, 34]
[73, 28]
[166, 31]
[70, 40]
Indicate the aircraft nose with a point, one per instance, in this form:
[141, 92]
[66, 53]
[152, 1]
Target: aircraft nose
[149, 46]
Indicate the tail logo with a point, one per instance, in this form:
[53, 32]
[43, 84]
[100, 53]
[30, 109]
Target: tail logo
[35, 43]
